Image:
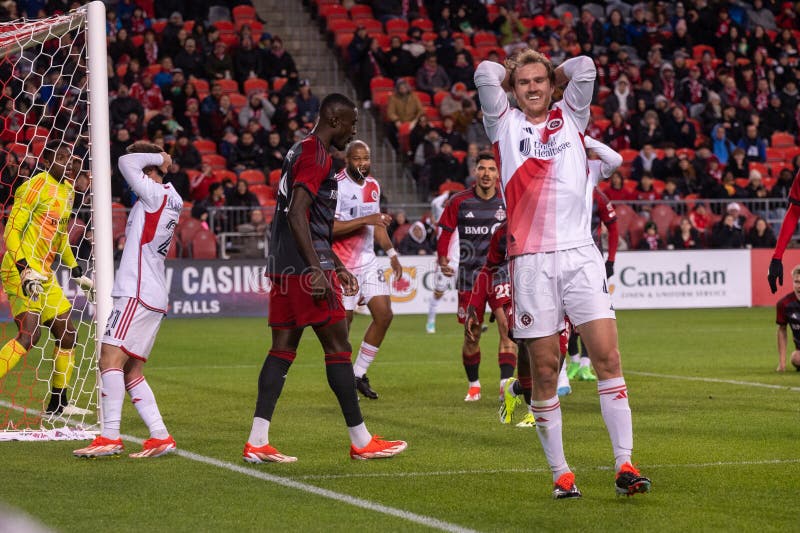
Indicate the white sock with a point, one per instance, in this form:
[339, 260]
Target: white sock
[576, 358]
[144, 400]
[112, 395]
[617, 415]
[432, 305]
[548, 427]
[366, 354]
[359, 435]
[562, 374]
[259, 434]
[503, 386]
[475, 384]
[585, 362]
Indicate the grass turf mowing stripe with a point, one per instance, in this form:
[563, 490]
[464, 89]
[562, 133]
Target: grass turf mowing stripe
[541, 470]
[427, 521]
[715, 380]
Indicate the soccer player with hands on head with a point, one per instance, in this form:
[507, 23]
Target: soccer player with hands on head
[141, 298]
[357, 226]
[308, 280]
[556, 269]
[35, 233]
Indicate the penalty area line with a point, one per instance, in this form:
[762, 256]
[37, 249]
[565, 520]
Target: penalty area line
[715, 380]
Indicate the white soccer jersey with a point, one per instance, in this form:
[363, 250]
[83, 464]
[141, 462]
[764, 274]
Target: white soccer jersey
[542, 167]
[437, 208]
[601, 169]
[151, 225]
[357, 249]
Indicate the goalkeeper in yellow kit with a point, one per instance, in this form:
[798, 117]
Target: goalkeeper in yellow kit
[35, 233]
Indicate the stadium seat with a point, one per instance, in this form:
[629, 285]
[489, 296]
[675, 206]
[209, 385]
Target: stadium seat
[342, 40]
[438, 97]
[243, 12]
[173, 251]
[158, 26]
[381, 82]
[216, 161]
[775, 155]
[36, 148]
[396, 26]
[255, 85]
[662, 215]
[598, 112]
[256, 26]
[699, 49]
[359, 10]
[781, 139]
[449, 185]
[658, 185]
[630, 185]
[373, 27]
[741, 182]
[687, 151]
[325, 11]
[224, 26]
[636, 231]
[761, 167]
[119, 219]
[342, 25]
[205, 146]
[238, 101]
[278, 83]
[20, 150]
[460, 155]
[201, 85]
[204, 245]
[424, 97]
[76, 229]
[153, 69]
[137, 40]
[423, 24]
[222, 174]
[484, 38]
[404, 136]
[432, 113]
[768, 182]
[253, 177]
[186, 231]
[275, 177]
[624, 216]
[628, 155]
[228, 86]
[35, 131]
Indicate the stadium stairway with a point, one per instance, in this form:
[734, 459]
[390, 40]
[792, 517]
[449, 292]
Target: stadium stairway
[315, 61]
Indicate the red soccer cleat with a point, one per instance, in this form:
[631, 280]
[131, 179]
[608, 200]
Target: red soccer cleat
[156, 448]
[378, 448]
[100, 447]
[265, 454]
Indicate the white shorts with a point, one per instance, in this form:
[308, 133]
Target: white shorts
[371, 282]
[132, 327]
[549, 285]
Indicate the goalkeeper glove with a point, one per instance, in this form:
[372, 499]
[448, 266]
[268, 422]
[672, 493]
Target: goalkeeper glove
[84, 282]
[609, 269]
[32, 286]
[775, 274]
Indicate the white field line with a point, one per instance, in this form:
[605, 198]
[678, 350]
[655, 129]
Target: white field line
[427, 521]
[541, 470]
[715, 380]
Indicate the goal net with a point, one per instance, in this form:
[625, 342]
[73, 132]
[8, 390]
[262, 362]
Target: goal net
[54, 194]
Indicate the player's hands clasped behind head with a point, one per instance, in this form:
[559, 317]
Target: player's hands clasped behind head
[348, 281]
[167, 162]
[775, 274]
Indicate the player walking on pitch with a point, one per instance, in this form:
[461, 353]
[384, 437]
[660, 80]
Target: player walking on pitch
[440, 281]
[556, 269]
[307, 279]
[359, 223]
[140, 303]
[474, 215]
[36, 231]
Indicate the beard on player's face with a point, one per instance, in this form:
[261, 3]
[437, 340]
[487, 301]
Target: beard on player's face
[358, 171]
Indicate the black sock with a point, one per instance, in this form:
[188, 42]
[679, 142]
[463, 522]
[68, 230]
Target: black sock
[528, 395]
[506, 371]
[516, 388]
[343, 384]
[572, 345]
[270, 385]
[472, 372]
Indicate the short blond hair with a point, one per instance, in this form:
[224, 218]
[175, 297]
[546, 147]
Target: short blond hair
[795, 271]
[529, 56]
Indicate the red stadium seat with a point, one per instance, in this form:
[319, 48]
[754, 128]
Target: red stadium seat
[687, 151]
[264, 193]
[243, 12]
[432, 113]
[119, 219]
[204, 245]
[662, 215]
[699, 49]
[423, 24]
[399, 233]
[381, 81]
[204, 146]
[781, 139]
[775, 155]
[598, 112]
[438, 97]
[255, 85]
[225, 26]
[761, 167]
[484, 38]
[158, 26]
[253, 177]
[449, 185]
[255, 26]
[630, 185]
[275, 177]
[223, 174]
[201, 85]
[358, 10]
[20, 150]
[342, 25]
[238, 101]
[153, 69]
[424, 97]
[332, 9]
[636, 231]
[460, 155]
[228, 86]
[216, 161]
[396, 26]
[342, 40]
[278, 83]
[373, 27]
[628, 155]
[186, 231]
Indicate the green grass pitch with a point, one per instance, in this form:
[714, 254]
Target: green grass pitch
[719, 445]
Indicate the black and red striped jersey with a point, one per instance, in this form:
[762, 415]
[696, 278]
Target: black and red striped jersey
[476, 220]
[788, 313]
[307, 165]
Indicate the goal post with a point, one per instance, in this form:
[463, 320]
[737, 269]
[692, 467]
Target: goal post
[53, 77]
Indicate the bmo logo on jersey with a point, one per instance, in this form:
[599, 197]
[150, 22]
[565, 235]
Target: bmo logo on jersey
[476, 230]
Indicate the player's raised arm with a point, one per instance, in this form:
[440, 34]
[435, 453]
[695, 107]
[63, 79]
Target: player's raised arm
[345, 227]
[133, 167]
[610, 160]
[489, 79]
[789, 224]
[579, 74]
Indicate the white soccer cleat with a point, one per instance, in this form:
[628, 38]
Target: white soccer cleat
[156, 448]
[430, 327]
[100, 447]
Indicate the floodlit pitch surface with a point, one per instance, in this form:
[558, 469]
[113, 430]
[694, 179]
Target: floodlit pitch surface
[716, 429]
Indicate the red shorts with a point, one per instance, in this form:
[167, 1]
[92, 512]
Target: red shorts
[291, 305]
[496, 297]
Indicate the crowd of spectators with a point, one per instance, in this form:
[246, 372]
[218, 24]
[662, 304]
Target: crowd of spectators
[701, 98]
[203, 79]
